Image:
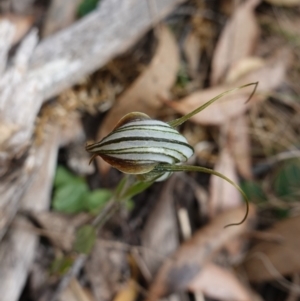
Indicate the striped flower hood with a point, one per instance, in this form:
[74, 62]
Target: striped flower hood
[138, 143]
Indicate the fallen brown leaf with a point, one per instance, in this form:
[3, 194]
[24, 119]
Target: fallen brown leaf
[104, 270]
[273, 260]
[269, 76]
[160, 232]
[184, 265]
[219, 112]
[75, 292]
[127, 293]
[223, 195]
[224, 286]
[239, 145]
[155, 81]
[243, 67]
[59, 228]
[192, 51]
[237, 40]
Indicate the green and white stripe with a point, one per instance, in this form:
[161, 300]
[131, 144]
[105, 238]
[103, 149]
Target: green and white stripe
[143, 141]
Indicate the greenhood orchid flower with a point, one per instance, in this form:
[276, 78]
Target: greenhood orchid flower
[151, 149]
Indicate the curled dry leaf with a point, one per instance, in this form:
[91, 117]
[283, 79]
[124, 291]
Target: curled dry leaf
[223, 195]
[237, 40]
[184, 265]
[156, 80]
[239, 145]
[269, 76]
[273, 260]
[219, 283]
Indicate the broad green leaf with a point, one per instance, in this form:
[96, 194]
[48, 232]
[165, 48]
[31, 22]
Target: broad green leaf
[254, 191]
[85, 239]
[63, 176]
[96, 199]
[69, 198]
[287, 179]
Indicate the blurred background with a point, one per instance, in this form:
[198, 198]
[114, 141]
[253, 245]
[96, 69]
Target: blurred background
[75, 230]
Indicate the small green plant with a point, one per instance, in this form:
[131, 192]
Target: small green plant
[72, 194]
[286, 181]
[152, 150]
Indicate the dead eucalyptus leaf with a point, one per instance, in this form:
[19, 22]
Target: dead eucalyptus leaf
[239, 145]
[225, 285]
[127, 293]
[219, 112]
[243, 67]
[59, 228]
[104, 270]
[237, 40]
[223, 195]
[273, 260]
[75, 292]
[269, 76]
[160, 232]
[192, 51]
[184, 265]
[155, 81]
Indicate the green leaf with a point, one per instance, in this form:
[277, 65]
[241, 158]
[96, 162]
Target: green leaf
[69, 198]
[85, 239]
[63, 176]
[86, 6]
[287, 179]
[96, 199]
[254, 191]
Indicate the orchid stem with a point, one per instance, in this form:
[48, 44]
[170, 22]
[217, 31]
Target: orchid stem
[175, 168]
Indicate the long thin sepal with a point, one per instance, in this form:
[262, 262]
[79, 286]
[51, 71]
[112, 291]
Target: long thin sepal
[179, 121]
[174, 168]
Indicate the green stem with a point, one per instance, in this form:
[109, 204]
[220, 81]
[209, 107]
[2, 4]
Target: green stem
[179, 121]
[175, 168]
